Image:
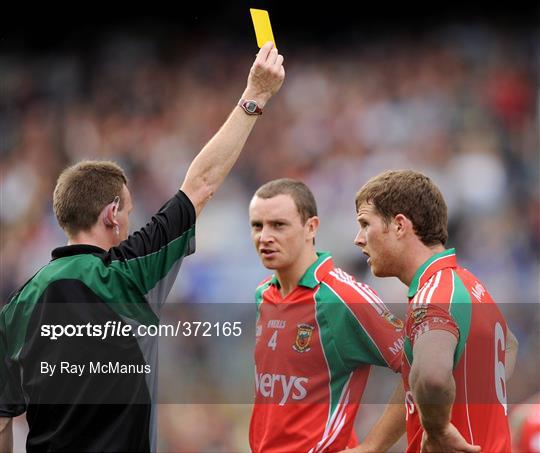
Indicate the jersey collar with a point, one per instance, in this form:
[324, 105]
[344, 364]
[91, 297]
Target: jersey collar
[76, 249]
[439, 261]
[314, 273]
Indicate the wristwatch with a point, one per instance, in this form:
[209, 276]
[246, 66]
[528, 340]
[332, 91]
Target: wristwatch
[250, 107]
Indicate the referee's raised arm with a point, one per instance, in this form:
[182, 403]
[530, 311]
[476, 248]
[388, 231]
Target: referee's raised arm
[213, 163]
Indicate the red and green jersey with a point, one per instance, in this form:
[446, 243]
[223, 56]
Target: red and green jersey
[444, 296]
[314, 349]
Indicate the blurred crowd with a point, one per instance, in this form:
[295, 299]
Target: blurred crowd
[461, 106]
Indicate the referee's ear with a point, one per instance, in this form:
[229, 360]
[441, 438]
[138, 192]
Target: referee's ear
[109, 213]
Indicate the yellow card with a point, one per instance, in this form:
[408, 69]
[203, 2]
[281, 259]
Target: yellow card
[263, 29]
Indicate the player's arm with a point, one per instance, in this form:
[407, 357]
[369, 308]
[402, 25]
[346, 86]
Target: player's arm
[388, 429]
[434, 390]
[375, 335]
[511, 353]
[213, 163]
[6, 434]
[431, 379]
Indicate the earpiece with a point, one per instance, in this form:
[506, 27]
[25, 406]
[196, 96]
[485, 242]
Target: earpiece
[110, 214]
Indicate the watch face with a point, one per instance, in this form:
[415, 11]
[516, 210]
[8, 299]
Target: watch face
[251, 106]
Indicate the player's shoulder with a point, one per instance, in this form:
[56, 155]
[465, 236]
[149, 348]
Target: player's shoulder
[346, 287]
[265, 281]
[438, 288]
[474, 286]
[260, 291]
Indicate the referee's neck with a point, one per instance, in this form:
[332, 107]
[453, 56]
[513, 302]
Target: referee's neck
[93, 237]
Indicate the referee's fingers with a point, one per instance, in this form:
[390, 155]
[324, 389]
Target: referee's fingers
[279, 61]
[272, 56]
[262, 55]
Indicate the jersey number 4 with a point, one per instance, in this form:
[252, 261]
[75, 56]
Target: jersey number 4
[272, 343]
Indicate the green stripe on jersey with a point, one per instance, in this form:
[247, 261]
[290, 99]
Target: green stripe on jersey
[407, 348]
[415, 283]
[259, 293]
[122, 295]
[355, 344]
[148, 270]
[338, 373]
[461, 310]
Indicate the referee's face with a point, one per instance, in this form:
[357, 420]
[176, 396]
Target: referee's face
[278, 234]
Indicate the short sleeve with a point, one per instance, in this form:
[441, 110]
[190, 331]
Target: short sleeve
[429, 317]
[430, 307]
[379, 332]
[363, 329]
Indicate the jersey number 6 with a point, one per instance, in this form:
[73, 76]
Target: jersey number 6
[500, 372]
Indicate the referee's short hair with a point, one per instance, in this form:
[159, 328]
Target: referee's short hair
[83, 190]
[299, 192]
[412, 194]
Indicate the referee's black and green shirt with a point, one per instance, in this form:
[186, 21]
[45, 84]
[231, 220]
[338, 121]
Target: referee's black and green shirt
[110, 408]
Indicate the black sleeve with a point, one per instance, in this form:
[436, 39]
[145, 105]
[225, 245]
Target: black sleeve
[11, 396]
[151, 257]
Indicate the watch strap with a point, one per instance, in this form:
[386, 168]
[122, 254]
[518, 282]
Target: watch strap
[250, 106]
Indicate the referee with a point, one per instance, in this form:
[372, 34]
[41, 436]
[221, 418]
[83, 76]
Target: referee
[82, 390]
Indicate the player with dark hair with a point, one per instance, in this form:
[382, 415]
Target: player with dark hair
[318, 331]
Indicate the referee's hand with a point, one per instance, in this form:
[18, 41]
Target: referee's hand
[266, 75]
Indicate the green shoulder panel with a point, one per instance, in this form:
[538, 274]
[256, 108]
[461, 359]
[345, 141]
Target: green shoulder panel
[116, 288]
[259, 294]
[461, 311]
[339, 374]
[119, 292]
[354, 344]
[147, 271]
